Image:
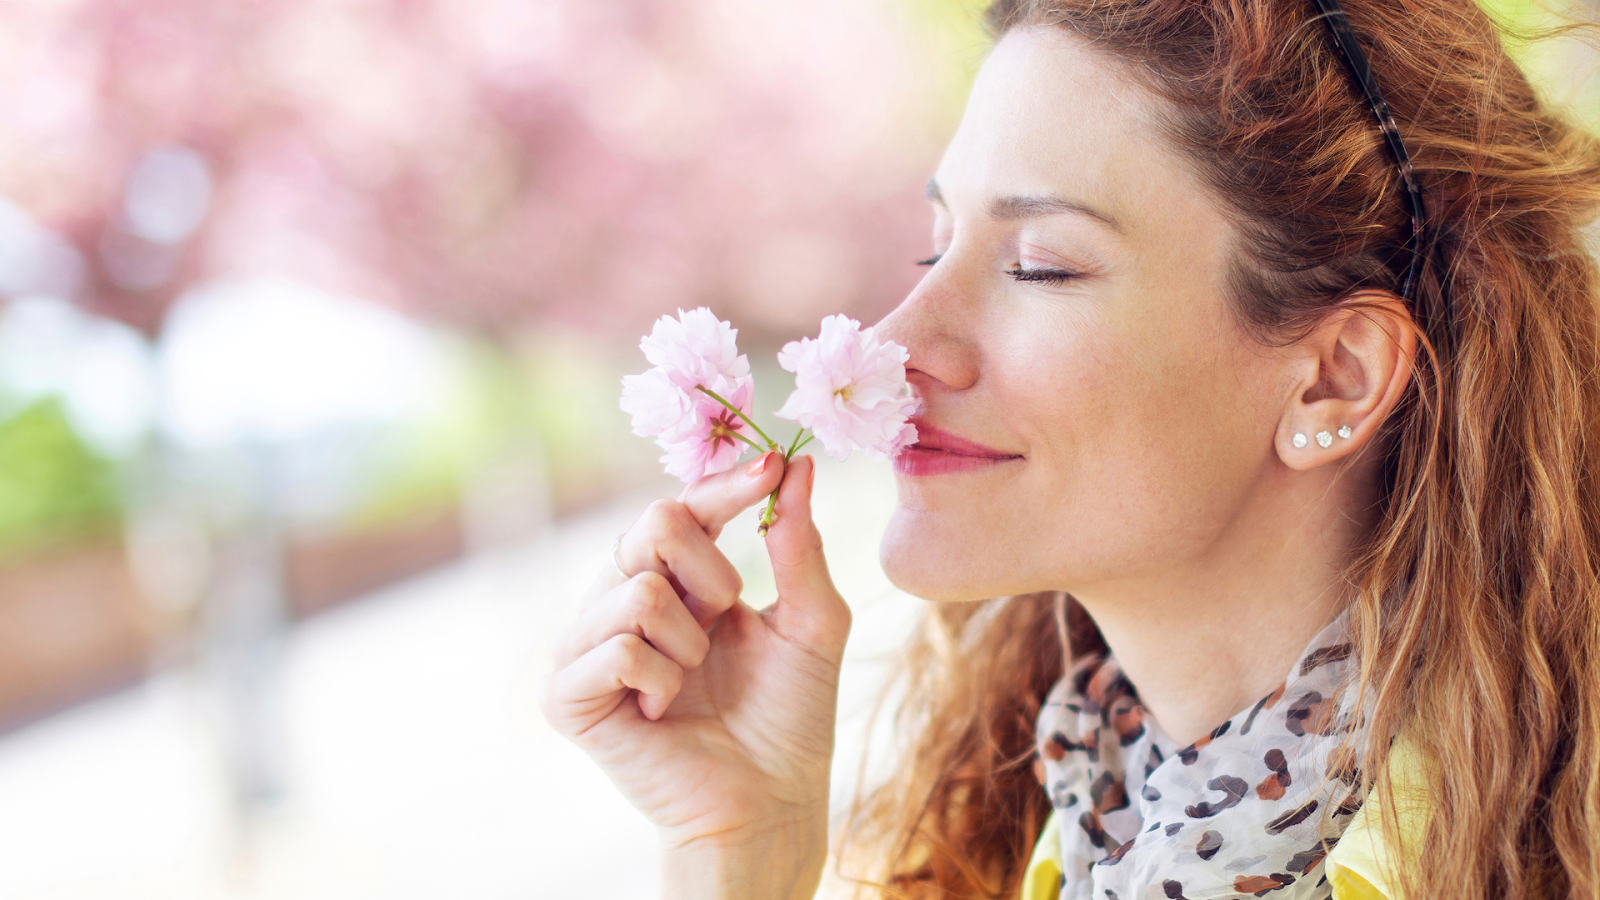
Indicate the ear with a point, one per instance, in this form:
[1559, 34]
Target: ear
[1353, 369]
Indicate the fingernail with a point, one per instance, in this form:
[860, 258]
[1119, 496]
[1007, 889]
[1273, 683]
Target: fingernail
[811, 477]
[759, 466]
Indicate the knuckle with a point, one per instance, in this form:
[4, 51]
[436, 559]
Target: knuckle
[836, 624]
[649, 591]
[651, 582]
[813, 541]
[630, 650]
[663, 518]
[642, 608]
[842, 624]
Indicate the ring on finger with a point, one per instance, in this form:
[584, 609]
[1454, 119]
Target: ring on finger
[616, 560]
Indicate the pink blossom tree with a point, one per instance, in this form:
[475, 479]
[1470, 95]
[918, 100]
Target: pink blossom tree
[485, 162]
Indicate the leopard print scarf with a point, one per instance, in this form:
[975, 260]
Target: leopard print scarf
[1251, 809]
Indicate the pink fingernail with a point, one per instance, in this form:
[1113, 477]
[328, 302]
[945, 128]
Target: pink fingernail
[759, 466]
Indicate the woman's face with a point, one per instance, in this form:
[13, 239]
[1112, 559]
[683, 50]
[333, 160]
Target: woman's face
[1074, 328]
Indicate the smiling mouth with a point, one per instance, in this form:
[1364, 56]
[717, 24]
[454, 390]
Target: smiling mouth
[937, 452]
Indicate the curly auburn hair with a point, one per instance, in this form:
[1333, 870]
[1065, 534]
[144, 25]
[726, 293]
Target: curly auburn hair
[1478, 607]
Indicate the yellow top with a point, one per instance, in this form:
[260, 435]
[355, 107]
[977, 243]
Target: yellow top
[1359, 866]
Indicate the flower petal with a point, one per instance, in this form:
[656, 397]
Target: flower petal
[850, 389]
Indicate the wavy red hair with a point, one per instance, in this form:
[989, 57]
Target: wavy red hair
[1477, 611]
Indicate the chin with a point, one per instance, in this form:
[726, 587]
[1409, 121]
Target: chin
[933, 567]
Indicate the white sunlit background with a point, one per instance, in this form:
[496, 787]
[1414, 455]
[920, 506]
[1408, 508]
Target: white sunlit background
[313, 315]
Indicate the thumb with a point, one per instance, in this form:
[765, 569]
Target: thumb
[809, 609]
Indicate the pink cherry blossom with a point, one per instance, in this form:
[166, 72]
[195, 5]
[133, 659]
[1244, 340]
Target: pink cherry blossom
[703, 442]
[850, 390]
[695, 349]
[700, 434]
[654, 402]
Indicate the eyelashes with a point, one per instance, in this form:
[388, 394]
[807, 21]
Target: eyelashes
[1018, 273]
[1048, 276]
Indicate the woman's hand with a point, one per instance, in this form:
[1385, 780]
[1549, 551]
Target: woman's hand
[730, 739]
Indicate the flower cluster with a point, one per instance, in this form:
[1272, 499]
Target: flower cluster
[850, 390]
[695, 400]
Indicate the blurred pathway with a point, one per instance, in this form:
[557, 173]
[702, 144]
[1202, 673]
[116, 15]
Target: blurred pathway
[418, 764]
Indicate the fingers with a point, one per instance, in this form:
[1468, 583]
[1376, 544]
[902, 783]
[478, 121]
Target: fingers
[809, 608]
[647, 607]
[578, 696]
[668, 541]
[677, 538]
[715, 500]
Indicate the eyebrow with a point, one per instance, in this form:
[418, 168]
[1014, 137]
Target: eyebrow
[1030, 207]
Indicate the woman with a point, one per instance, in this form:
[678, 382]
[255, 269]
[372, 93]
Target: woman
[1284, 481]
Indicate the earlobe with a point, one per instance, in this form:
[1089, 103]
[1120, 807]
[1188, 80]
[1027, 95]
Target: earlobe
[1358, 364]
[1324, 439]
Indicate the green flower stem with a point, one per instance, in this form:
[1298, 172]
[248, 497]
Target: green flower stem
[766, 517]
[759, 448]
[794, 447]
[771, 444]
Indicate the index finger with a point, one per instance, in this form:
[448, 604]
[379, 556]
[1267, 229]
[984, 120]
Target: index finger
[715, 500]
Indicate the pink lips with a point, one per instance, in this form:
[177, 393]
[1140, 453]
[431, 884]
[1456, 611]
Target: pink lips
[937, 452]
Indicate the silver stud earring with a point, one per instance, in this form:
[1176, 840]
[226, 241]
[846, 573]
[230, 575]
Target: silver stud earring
[1324, 438]
[1299, 440]
[1344, 431]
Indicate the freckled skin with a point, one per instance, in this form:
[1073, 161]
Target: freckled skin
[1158, 483]
[1130, 392]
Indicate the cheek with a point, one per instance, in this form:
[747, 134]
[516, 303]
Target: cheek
[1133, 454]
[1057, 380]
[1131, 435]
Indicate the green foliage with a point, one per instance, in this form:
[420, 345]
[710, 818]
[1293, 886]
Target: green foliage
[952, 33]
[546, 398]
[52, 486]
[1549, 42]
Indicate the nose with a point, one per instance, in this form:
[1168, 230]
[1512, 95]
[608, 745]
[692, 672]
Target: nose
[934, 324]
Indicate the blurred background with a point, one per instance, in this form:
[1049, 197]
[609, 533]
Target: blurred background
[313, 315]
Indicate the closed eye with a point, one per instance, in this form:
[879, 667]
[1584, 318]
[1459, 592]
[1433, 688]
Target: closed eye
[929, 261]
[1048, 276]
